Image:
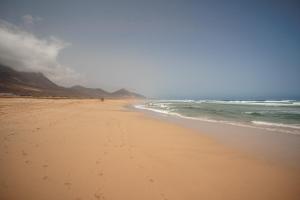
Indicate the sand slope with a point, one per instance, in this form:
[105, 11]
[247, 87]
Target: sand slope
[86, 149]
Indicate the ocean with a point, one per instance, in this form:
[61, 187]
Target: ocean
[278, 116]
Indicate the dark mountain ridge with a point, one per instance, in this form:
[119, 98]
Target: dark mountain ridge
[37, 85]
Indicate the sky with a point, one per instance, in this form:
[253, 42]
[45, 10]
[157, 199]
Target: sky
[161, 49]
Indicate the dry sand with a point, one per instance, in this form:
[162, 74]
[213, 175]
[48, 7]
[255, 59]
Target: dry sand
[87, 149]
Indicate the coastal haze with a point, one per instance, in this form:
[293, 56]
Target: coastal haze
[149, 100]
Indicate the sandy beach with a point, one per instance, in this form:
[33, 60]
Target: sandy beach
[88, 149]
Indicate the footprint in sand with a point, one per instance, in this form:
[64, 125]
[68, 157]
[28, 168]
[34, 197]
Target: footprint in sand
[99, 195]
[11, 134]
[68, 184]
[100, 174]
[45, 178]
[151, 180]
[27, 162]
[24, 153]
[45, 166]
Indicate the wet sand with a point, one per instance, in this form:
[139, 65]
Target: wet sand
[276, 147]
[88, 149]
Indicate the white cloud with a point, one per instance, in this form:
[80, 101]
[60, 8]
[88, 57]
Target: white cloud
[30, 20]
[24, 51]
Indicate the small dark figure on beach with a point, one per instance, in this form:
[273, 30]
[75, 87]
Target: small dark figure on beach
[102, 99]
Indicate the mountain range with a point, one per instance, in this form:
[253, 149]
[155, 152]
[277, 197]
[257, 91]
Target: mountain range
[13, 82]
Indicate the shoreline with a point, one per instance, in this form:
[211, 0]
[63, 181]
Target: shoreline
[293, 129]
[271, 146]
[86, 149]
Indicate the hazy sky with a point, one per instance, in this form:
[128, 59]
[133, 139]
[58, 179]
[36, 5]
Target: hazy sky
[165, 49]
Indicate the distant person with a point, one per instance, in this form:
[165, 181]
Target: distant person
[102, 99]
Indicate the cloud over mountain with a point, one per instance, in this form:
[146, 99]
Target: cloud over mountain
[24, 51]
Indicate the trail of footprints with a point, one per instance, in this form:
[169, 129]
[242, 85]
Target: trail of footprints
[99, 194]
[130, 148]
[6, 139]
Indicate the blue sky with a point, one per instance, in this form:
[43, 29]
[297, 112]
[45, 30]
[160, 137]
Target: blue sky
[165, 49]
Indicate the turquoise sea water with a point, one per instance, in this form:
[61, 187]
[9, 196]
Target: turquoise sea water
[280, 116]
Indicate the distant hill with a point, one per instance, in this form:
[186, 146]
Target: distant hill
[37, 85]
[125, 93]
[90, 92]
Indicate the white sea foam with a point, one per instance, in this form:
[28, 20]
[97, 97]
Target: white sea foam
[175, 100]
[293, 126]
[297, 112]
[143, 107]
[274, 127]
[236, 102]
[263, 103]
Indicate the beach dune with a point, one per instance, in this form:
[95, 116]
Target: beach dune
[88, 149]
